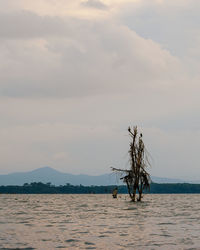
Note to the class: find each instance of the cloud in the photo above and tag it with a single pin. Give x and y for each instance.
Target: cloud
(64, 57)
(94, 4)
(174, 24)
(29, 25)
(61, 8)
(74, 78)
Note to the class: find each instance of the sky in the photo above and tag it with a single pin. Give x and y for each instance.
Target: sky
(74, 74)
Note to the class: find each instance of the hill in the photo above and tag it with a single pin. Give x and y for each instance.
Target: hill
(48, 174)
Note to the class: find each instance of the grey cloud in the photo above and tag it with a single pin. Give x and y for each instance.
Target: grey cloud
(94, 4)
(71, 85)
(28, 25)
(172, 24)
(89, 58)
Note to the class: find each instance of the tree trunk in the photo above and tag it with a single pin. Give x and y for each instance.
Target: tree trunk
(134, 195)
(140, 196)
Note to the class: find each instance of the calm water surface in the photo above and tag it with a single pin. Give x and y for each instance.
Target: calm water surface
(99, 222)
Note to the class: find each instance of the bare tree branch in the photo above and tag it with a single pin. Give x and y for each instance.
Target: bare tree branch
(136, 178)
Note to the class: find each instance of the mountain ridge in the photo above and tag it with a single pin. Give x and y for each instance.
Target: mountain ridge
(48, 174)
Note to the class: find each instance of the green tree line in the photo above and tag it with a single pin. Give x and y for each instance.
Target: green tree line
(48, 188)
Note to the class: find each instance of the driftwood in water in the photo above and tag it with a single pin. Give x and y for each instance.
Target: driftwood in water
(136, 178)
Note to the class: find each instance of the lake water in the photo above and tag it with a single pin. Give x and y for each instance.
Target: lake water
(99, 222)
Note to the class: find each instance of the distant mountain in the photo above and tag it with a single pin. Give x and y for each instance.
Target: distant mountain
(47, 174)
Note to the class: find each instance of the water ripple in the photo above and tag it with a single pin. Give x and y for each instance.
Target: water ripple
(99, 222)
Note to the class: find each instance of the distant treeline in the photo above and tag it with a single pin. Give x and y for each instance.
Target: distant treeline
(48, 188)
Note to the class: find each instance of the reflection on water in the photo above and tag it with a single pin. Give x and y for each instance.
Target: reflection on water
(99, 222)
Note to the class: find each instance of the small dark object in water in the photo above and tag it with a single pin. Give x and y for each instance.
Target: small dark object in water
(114, 193)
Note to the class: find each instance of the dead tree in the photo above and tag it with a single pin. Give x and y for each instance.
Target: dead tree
(136, 178)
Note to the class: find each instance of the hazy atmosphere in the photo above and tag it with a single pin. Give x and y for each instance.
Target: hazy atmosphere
(75, 74)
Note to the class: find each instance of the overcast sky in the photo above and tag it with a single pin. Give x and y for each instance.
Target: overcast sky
(75, 74)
